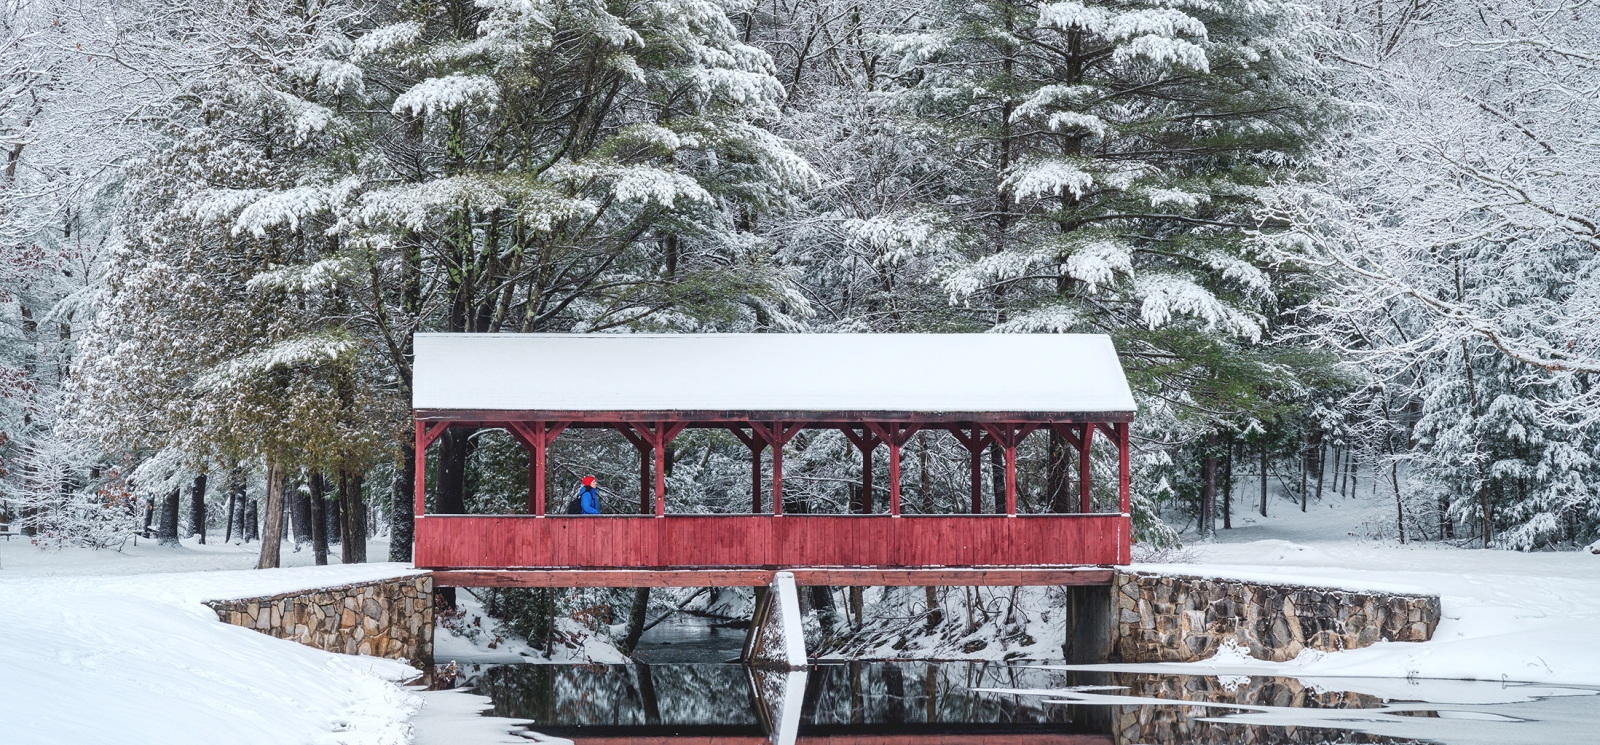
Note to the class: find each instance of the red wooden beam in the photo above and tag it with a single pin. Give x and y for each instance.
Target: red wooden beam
(777, 434)
(1010, 436)
(420, 467)
(896, 435)
(656, 435)
(1085, 499)
(644, 464)
(975, 444)
(756, 443)
(759, 576)
(1124, 467)
(866, 441)
(722, 417)
(536, 439)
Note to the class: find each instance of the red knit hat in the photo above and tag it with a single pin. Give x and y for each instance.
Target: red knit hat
(588, 481)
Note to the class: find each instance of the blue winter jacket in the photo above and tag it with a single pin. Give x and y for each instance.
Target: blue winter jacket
(590, 499)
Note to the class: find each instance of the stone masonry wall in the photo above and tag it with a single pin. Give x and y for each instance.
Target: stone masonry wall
(1162, 618)
(390, 618)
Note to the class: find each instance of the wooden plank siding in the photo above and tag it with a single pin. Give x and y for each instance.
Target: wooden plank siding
(826, 577)
(744, 542)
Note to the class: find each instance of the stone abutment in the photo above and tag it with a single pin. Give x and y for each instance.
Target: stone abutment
(390, 618)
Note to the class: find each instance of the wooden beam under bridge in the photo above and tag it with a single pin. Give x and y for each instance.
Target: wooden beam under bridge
(759, 577)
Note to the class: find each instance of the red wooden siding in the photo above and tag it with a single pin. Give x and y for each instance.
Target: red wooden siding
(712, 541)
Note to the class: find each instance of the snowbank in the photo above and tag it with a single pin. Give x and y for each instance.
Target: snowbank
(140, 659)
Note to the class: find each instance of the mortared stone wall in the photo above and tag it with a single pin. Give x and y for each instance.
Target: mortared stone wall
(390, 618)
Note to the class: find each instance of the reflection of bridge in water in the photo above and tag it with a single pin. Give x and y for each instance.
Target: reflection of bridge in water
(854, 703)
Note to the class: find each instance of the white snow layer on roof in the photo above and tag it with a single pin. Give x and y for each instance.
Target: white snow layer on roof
(770, 372)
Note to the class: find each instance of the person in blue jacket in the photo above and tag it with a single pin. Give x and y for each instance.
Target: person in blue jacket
(588, 500)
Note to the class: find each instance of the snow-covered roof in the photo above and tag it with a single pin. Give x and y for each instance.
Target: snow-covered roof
(734, 374)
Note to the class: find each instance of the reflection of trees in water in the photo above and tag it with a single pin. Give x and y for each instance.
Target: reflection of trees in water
(859, 693)
(619, 695)
(910, 693)
(923, 692)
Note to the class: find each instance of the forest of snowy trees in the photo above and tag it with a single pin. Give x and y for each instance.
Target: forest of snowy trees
(1338, 243)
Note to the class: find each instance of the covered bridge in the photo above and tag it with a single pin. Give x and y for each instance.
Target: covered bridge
(878, 389)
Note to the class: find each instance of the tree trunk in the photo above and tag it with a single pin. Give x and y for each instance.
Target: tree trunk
(454, 448)
(1227, 489)
(197, 507)
(272, 532)
(252, 521)
(636, 618)
(1208, 490)
(1058, 475)
(354, 509)
(855, 607)
(319, 518)
(1353, 473)
(1305, 474)
(926, 478)
(167, 529)
(227, 533)
(1263, 478)
(935, 613)
(1322, 465)
(997, 474)
(401, 519)
(335, 521)
(300, 516)
(1338, 470)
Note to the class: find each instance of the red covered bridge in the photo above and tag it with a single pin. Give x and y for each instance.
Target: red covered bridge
(878, 389)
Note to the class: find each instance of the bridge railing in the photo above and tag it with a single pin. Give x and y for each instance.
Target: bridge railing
(502, 542)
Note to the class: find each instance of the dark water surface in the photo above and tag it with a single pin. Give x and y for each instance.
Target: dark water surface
(682, 689)
(962, 702)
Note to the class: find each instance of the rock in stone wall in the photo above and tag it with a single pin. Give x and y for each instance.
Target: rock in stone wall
(389, 618)
(1162, 618)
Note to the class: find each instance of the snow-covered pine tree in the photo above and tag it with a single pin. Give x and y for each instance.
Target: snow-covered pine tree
(1111, 158)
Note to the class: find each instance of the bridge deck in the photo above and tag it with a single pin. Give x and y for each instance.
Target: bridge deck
(729, 550)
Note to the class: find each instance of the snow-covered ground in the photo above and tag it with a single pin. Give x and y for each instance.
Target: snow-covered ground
(117, 647)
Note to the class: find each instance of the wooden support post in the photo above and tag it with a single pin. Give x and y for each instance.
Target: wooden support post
(777, 434)
(425, 436)
(644, 481)
(756, 443)
(536, 438)
(1009, 436)
(1076, 435)
(975, 444)
(1124, 467)
(655, 436)
(1085, 500)
(895, 435)
(866, 441)
(661, 475)
(866, 482)
(420, 455)
(644, 465)
(1011, 480)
